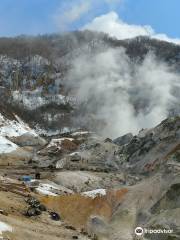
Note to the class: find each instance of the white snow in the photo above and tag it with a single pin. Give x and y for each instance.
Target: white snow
(34, 99)
(52, 189)
(46, 189)
(6, 146)
(95, 193)
(80, 133)
(57, 142)
(13, 128)
(4, 228)
(74, 154)
(50, 133)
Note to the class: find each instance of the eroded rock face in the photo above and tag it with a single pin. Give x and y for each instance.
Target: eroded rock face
(147, 152)
(141, 154)
(116, 214)
(170, 200)
(28, 139)
(81, 210)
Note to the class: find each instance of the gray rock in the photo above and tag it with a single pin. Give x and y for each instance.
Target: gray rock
(28, 139)
(123, 139)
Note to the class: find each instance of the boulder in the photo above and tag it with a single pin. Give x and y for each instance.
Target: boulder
(75, 156)
(123, 139)
(60, 164)
(28, 139)
(33, 212)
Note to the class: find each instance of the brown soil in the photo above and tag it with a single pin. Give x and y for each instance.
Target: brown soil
(68, 145)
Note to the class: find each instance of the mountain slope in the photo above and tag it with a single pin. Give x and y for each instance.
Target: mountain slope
(55, 79)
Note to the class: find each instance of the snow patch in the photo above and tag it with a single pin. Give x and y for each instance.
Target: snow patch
(34, 99)
(80, 133)
(13, 128)
(6, 146)
(50, 133)
(52, 189)
(75, 154)
(95, 193)
(46, 189)
(4, 228)
(57, 142)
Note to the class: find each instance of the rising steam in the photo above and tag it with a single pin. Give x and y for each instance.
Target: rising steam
(125, 96)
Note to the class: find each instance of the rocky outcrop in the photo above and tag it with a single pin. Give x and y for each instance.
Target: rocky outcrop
(123, 139)
(148, 151)
(28, 139)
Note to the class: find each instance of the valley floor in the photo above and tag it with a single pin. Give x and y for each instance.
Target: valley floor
(82, 186)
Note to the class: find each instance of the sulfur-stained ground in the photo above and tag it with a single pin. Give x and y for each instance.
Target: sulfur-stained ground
(36, 228)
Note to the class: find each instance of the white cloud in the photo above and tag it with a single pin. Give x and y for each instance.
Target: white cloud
(69, 14)
(111, 23)
(72, 11)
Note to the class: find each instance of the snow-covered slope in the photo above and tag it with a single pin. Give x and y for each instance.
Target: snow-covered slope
(34, 99)
(6, 146)
(11, 128)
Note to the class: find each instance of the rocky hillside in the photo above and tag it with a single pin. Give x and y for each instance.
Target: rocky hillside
(43, 77)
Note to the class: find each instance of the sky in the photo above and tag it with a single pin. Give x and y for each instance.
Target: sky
(119, 18)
